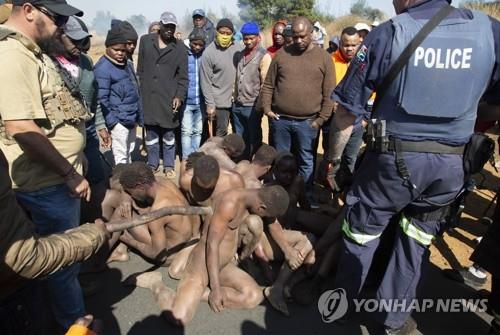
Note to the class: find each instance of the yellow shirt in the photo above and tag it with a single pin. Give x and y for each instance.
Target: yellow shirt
(25, 81)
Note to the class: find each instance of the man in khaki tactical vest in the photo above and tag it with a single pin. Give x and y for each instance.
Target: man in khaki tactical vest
(42, 133)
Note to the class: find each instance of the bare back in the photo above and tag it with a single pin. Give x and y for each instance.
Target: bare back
(214, 148)
(227, 180)
(244, 168)
(177, 229)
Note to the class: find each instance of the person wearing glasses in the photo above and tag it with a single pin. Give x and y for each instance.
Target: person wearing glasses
(42, 133)
(79, 70)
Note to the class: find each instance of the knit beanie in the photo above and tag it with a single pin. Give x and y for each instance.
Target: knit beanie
(129, 31)
(250, 28)
(225, 23)
(115, 36)
(197, 35)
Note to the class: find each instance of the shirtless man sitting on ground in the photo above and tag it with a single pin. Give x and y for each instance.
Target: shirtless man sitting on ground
(261, 163)
(299, 215)
(169, 240)
(210, 264)
(225, 149)
(203, 180)
(116, 205)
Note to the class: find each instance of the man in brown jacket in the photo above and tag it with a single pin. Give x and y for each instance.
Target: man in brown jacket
(25, 256)
(296, 96)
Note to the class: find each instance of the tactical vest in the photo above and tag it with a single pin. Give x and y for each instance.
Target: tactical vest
(435, 97)
(60, 107)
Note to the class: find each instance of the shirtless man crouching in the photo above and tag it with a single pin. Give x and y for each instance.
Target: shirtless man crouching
(210, 264)
(203, 180)
(225, 149)
(262, 162)
(169, 240)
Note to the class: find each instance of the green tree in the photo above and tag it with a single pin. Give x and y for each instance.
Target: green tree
(360, 8)
(265, 12)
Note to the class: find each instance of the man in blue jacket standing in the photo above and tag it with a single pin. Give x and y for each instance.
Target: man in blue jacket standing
(118, 95)
(192, 118)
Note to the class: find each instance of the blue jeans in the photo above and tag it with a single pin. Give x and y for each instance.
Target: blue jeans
(351, 150)
(298, 137)
(191, 129)
(167, 136)
(248, 124)
(96, 172)
(53, 210)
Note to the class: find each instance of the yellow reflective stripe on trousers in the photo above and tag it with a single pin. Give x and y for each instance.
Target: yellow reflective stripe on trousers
(415, 233)
(358, 238)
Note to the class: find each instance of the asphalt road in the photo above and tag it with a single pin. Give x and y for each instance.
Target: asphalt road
(132, 311)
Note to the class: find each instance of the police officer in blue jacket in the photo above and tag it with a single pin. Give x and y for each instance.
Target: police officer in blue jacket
(423, 121)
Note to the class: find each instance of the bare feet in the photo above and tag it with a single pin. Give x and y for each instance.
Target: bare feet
(144, 280)
(275, 297)
(120, 254)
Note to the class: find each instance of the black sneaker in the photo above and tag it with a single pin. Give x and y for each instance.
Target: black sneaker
(465, 277)
(408, 328)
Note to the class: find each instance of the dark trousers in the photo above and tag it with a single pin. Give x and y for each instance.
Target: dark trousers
(248, 124)
(222, 118)
(96, 172)
(158, 138)
(351, 150)
(25, 312)
(494, 299)
(376, 196)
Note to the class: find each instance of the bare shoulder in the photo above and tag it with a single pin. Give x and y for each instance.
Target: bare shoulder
(169, 191)
(112, 198)
(234, 177)
(242, 167)
(185, 180)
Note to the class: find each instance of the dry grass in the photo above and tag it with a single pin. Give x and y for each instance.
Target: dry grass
(335, 27)
(490, 8)
(97, 49)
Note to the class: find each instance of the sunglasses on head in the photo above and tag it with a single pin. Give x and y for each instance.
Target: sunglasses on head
(59, 20)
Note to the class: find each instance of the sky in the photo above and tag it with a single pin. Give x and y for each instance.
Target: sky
(153, 8)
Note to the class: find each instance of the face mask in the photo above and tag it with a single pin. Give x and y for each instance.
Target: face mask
(224, 41)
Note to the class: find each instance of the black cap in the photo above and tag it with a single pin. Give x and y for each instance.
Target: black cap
(59, 7)
(115, 36)
(225, 23)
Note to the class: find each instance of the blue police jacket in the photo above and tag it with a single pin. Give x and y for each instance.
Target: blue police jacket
(435, 96)
(118, 93)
